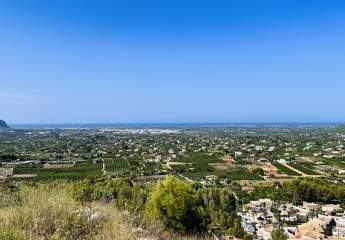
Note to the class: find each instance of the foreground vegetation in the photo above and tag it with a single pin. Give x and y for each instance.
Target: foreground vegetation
(102, 183)
(115, 208)
(51, 212)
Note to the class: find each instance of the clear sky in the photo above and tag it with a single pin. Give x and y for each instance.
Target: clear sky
(172, 61)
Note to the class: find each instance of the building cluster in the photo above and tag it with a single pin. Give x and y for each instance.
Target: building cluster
(307, 221)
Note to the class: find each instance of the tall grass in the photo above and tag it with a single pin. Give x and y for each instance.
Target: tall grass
(50, 212)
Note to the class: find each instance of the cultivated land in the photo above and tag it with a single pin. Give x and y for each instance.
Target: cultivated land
(208, 154)
(218, 168)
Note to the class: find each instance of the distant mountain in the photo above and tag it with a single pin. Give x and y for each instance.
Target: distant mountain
(3, 124)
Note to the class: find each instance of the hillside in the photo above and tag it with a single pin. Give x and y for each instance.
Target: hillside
(105, 208)
(3, 124)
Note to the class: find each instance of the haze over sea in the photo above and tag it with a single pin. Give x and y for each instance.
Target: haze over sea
(165, 125)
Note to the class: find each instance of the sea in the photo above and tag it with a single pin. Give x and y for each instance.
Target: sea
(168, 125)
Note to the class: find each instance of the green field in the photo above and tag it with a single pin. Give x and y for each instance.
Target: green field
(116, 164)
(306, 167)
(152, 167)
(338, 162)
(201, 158)
(242, 174)
(285, 170)
(200, 162)
(78, 171)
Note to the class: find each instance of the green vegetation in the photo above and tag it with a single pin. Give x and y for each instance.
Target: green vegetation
(178, 205)
(151, 168)
(338, 162)
(306, 167)
(120, 191)
(340, 128)
(197, 166)
(285, 170)
(259, 171)
(10, 233)
(50, 212)
(278, 234)
(243, 174)
(78, 171)
(91, 209)
(172, 202)
(307, 189)
(116, 165)
(135, 159)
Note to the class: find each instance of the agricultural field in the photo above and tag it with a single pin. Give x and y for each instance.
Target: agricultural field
(197, 166)
(337, 162)
(200, 165)
(285, 169)
(117, 165)
(242, 174)
(231, 153)
(78, 171)
(306, 167)
(152, 168)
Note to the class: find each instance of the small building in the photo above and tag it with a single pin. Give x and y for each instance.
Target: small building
(211, 177)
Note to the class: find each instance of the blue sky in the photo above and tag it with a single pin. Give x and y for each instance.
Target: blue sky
(172, 61)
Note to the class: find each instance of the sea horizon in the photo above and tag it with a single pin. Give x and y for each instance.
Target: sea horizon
(166, 125)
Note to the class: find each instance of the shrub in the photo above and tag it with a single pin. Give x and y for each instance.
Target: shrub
(50, 211)
(278, 234)
(171, 202)
(184, 207)
(120, 191)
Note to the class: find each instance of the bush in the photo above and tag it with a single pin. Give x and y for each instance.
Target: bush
(184, 207)
(176, 204)
(278, 234)
(171, 202)
(50, 211)
(120, 191)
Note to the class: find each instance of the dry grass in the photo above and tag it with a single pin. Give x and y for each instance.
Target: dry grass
(49, 212)
(46, 212)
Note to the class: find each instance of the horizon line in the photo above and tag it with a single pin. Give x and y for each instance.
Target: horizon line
(183, 122)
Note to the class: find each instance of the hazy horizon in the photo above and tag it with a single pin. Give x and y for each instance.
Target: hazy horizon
(162, 124)
(173, 61)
